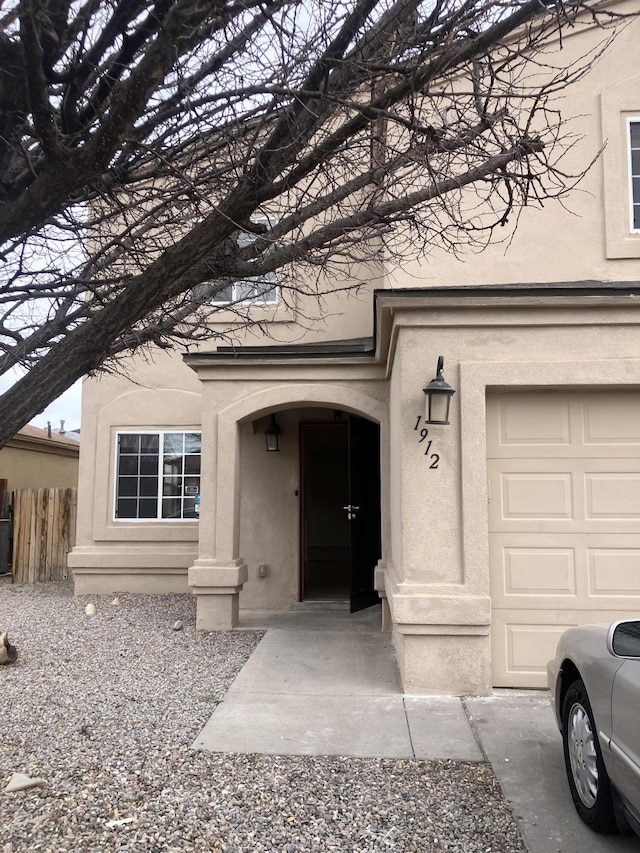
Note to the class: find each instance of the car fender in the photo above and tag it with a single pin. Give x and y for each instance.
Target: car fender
(582, 653)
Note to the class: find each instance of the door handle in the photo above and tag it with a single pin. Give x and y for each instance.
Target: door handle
(351, 511)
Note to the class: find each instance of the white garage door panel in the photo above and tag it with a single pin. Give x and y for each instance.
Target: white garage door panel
(605, 424)
(538, 571)
(535, 495)
(531, 422)
(564, 521)
(522, 646)
(521, 651)
(615, 571)
(613, 495)
(569, 494)
(581, 567)
(599, 425)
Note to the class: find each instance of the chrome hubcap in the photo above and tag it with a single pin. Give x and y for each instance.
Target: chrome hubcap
(582, 755)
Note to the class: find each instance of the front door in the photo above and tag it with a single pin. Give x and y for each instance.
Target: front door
(364, 510)
(340, 525)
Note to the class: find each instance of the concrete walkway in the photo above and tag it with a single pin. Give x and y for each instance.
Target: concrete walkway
(325, 682)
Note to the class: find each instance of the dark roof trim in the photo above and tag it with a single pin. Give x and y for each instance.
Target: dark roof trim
(560, 288)
(332, 349)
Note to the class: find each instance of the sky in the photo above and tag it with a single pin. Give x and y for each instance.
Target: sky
(66, 407)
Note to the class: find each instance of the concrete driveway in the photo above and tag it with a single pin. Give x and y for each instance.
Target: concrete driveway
(518, 735)
(323, 682)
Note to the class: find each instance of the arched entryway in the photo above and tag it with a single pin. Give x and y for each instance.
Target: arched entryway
(340, 539)
(249, 533)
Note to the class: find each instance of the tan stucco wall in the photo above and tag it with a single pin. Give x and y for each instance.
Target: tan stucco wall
(314, 313)
(115, 556)
(270, 510)
(38, 468)
(586, 236)
(437, 584)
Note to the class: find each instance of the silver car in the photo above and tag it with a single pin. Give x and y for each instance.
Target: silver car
(595, 692)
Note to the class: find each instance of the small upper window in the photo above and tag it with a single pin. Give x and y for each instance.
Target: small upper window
(634, 172)
(620, 121)
(259, 290)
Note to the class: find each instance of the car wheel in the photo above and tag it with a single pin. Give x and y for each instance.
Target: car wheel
(588, 779)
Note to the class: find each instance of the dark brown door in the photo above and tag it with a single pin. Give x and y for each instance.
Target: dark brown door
(364, 512)
(325, 529)
(340, 511)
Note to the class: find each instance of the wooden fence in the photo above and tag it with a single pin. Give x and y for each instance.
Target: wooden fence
(5, 500)
(44, 530)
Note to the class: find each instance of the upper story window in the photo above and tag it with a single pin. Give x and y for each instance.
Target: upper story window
(261, 290)
(620, 127)
(634, 172)
(157, 476)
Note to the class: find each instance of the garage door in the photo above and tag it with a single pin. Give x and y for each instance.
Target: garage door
(564, 521)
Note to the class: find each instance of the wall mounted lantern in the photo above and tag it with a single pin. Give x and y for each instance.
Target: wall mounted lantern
(438, 393)
(272, 435)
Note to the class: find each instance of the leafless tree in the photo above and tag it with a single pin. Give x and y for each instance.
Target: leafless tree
(141, 139)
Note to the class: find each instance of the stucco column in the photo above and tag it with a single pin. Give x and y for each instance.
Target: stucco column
(440, 615)
(218, 574)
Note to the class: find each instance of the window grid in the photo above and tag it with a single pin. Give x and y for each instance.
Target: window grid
(634, 173)
(157, 476)
(256, 290)
(262, 291)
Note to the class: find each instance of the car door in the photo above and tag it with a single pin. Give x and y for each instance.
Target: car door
(625, 712)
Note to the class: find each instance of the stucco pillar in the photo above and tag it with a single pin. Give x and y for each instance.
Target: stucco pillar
(218, 575)
(440, 613)
(218, 589)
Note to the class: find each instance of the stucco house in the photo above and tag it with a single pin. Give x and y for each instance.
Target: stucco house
(484, 537)
(38, 458)
(33, 459)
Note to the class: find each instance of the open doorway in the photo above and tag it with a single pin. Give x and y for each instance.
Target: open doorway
(325, 528)
(340, 511)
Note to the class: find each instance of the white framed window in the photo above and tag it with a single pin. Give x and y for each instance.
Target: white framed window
(633, 137)
(261, 290)
(157, 476)
(257, 291)
(620, 124)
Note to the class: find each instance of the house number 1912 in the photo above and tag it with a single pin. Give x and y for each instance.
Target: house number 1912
(424, 437)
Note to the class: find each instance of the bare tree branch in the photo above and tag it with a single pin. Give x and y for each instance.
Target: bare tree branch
(140, 139)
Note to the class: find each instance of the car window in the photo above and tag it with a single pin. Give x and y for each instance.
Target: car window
(626, 639)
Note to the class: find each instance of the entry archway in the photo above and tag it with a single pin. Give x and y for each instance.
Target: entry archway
(355, 406)
(220, 571)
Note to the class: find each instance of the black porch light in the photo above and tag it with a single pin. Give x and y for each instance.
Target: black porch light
(438, 393)
(272, 435)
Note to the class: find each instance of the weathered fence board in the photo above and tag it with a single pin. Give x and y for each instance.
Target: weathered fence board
(5, 499)
(44, 529)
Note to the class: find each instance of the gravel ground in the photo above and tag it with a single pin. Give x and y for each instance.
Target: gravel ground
(105, 708)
